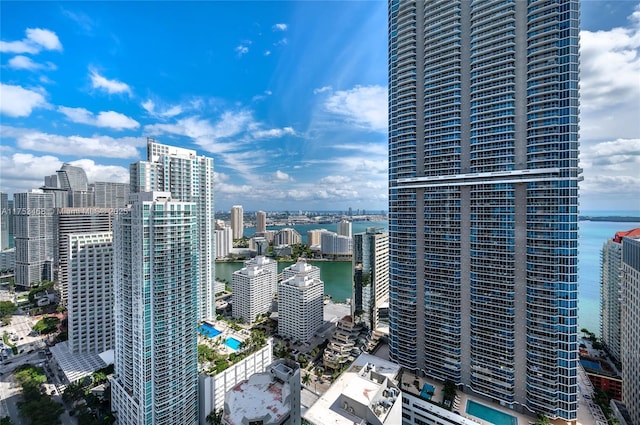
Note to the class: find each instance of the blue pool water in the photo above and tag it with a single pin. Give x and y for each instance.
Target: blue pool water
(489, 414)
(426, 389)
(591, 365)
(232, 343)
(208, 330)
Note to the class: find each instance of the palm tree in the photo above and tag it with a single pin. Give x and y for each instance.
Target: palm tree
(306, 379)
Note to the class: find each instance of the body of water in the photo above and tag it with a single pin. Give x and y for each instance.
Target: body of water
(337, 275)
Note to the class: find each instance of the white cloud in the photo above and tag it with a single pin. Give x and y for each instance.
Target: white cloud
(242, 50)
(162, 111)
(149, 106)
(95, 146)
(110, 86)
(281, 176)
(18, 101)
(24, 62)
(279, 27)
(102, 173)
(109, 119)
(273, 133)
(35, 41)
(609, 82)
(335, 179)
(322, 89)
(22, 171)
(364, 106)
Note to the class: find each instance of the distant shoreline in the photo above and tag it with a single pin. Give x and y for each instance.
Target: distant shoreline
(610, 218)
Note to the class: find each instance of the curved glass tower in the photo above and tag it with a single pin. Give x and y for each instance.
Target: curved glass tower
(483, 197)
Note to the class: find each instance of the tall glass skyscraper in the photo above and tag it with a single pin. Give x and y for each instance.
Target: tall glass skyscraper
(189, 178)
(156, 297)
(483, 197)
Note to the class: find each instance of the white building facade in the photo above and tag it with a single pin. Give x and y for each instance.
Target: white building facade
(90, 292)
(334, 244)
(224, 242)
(252, 289)
(189, 178)
(300, 307)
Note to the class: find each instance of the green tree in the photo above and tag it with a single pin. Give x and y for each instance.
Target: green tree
(6, 421)
(47, 325)
(306, 379)
(215, 417)
(542, 419)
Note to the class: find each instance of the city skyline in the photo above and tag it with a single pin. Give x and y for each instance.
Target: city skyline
(289, 98)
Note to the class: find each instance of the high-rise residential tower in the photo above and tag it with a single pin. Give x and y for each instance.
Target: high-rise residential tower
(90, 292)
(237, 221)
(610, 290)
(344, 228)
(189, 178)
(630, 336)
(34, 237)
(300, 302)
(5, 216)
(483, 197)
(261, 222)
(156, 311)
(370, 301)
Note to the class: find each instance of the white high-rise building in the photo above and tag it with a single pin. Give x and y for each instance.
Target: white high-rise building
(314, 237)
(69, 221)
(34, 237)
(261, 221)
(90, 292)
(334, 244)
(156, 312)
(300, 306)
(344, 228)
(224, 242)
(630, 337)
(266, 263)
(483, 197)
(252, 289)
(301, 267)
(189, 178)
(370, 301)
(610, 290)
(287, 236)
(237, 221)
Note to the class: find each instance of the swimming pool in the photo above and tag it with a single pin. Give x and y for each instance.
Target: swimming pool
(427, 391)
(591, 364)
(232, 343)
(490, 414)
(208, 330)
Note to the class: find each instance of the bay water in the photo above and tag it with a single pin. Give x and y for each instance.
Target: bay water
(337, 275)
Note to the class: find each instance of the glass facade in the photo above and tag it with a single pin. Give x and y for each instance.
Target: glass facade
(156, 312)
(483, 197)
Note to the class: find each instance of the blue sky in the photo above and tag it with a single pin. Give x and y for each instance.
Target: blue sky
(289, 98)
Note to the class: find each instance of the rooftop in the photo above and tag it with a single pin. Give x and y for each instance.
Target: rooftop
(362, 386)
(76, 366)
(264, 396)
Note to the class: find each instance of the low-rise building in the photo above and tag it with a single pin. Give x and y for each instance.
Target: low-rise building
(268, 398)
(365, 393)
